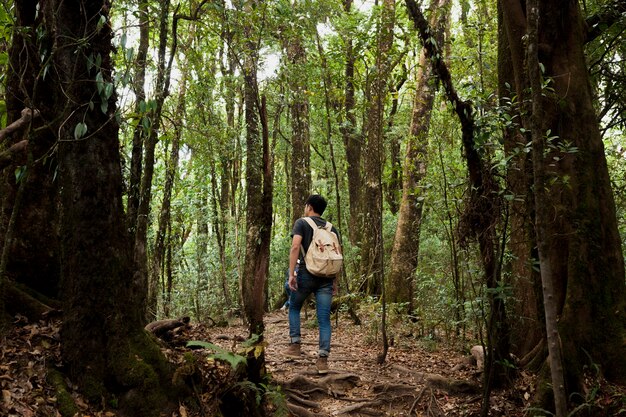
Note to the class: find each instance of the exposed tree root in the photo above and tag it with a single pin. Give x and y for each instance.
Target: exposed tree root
(450, 385)
(362, 407)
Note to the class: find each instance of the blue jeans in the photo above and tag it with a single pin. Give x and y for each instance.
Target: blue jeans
(323, 290)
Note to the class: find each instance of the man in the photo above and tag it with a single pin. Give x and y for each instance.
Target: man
(302, 283)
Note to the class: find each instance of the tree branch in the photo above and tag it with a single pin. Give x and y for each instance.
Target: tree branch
(19, 124)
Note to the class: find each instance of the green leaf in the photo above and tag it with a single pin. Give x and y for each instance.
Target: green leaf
(80, 130)
(19, 173)
(233, 359)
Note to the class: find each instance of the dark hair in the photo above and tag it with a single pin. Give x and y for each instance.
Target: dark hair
(317, 202)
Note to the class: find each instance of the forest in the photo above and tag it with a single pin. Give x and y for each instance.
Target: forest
(155, 155)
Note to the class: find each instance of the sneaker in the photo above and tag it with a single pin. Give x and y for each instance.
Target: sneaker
(293, 351)
(322, 365)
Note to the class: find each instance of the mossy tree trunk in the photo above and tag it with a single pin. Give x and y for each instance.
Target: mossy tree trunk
(582, 241)
(405, 249)
(104, 347)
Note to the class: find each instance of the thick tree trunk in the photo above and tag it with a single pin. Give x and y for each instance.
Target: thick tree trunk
(372, 249)
(32, 248)
(105, 349)
(583, 246)
(405, 250)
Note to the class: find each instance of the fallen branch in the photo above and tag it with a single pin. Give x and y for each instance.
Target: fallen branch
(19, 124)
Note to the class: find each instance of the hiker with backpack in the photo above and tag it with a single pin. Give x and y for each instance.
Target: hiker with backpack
(315, 245)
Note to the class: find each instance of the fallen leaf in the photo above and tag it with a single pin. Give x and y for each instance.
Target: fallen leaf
(6, 396)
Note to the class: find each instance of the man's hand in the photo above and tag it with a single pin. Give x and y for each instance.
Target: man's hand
(293, 283)
(335, 287)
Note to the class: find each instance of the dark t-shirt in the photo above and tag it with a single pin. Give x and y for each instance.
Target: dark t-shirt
(302, 228)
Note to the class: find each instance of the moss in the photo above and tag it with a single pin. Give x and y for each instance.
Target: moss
(142, 376)
(66, 405)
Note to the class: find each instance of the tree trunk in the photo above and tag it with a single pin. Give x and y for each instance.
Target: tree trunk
(527, 324)
(259, 201)
(141, 276)
(105, 349)
(32, 249)
(300, 142)
(543, 212)
(405, 250)
(165, 215)
(582, 242)
(142, 123)
(372, 250)
(480, 220)
(353, 142)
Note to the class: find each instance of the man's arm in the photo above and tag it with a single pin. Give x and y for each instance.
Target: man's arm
(294, 254)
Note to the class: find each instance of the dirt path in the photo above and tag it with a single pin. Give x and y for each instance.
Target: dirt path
(412, 381)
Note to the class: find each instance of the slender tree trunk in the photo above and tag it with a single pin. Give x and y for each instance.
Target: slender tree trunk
(405, 250)
(141, 278)
(259, 202)
(142, 123)
(372, 249)
(527, 324)
(164, 222)
(393, 187)
(353, 142)
(300, 142)
(104, 345)
(543, 212)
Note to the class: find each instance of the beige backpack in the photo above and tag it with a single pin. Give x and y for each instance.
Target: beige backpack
(323, 258)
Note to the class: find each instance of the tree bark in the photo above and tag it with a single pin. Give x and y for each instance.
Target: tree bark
(405, 249)
(105, 349)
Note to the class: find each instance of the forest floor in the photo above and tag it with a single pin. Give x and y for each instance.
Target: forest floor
(418, 378)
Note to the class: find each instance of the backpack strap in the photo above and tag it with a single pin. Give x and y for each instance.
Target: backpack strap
(311, 222)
